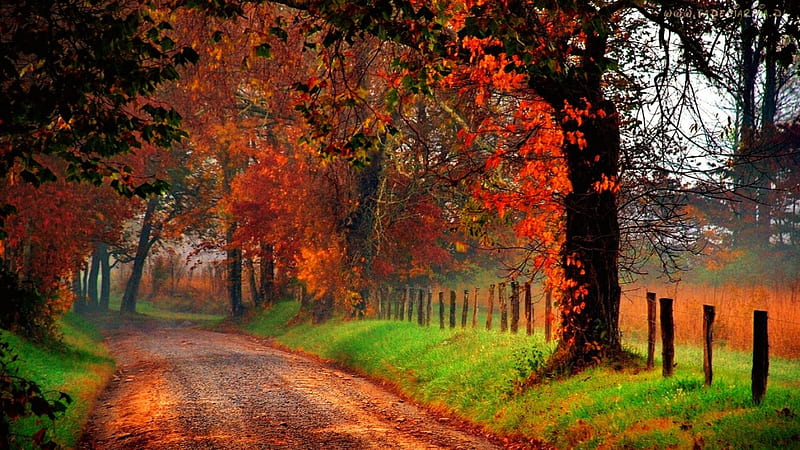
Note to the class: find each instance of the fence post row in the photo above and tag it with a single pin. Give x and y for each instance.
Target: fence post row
(760, 369)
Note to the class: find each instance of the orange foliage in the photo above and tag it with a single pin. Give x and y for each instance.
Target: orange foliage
(51, 234)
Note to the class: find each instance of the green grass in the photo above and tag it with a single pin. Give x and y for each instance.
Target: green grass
(148, 309)
(475, 374)
(81, 368)
(273, 323)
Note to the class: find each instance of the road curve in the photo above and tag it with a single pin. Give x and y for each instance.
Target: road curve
(195, 389)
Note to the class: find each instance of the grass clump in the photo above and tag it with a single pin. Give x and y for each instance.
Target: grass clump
(480, 375)
(80, 366)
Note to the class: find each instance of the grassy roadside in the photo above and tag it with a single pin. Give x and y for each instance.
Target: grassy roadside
(80, 368)
(476, 373)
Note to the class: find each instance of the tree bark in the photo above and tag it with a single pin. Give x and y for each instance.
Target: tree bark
(251, 283)
(234, 279)
(105, 276)
(590, 305)
(93, 279)
(128, 305)
(79, 305)
(267, 278)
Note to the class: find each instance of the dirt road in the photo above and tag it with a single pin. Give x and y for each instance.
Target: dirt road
(187, 388)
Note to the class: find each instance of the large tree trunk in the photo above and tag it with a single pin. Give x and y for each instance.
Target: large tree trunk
(128, 305)
(360, 228)
(590, 302)
(590, 305)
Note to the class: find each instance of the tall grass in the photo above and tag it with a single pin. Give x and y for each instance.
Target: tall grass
(477, 374)
(80, 368)
(733, 326)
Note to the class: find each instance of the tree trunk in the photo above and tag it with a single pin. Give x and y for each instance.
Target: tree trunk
(323, 309)
(234, 282)
(255, 294)
(590, 307)
(93, 279)
(267, 279)
(590, 304)
(360, 228)
(79, 305)
(128, 305)
(105, 275)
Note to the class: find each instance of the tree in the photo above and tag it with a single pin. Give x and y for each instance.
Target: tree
(48, 244)
(73, 79)
(562, 53)
(758, 73)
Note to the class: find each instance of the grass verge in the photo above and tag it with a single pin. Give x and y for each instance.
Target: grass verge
(476, 374)
(80, 367)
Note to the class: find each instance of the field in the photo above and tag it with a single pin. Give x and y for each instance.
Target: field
(479, 375)
(733, 327)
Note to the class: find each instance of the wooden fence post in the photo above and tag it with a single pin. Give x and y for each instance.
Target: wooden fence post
(548, 316)
(410, 303)
(401, 311)
(760, 355)
(421, 308)
(514, 307)
(501, 294)
(490, 308)
(428, 308)
(379, 302)
(386, 303)
(465, 309)
(475, 310)
(651, 329)
(708, 339)
(528, 309)
(441, 310)
(667, 337)
(452, 309)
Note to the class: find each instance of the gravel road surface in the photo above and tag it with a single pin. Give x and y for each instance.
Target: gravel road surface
(195, 389)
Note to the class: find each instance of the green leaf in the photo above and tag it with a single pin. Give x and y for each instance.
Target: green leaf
(392, 98)
(279, 32)
(264, 51)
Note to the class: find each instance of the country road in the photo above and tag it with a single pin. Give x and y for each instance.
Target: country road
(189, 388)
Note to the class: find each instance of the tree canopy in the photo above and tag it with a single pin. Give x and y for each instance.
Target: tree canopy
(343, 144)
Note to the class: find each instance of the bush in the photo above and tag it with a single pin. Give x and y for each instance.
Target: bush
(19, 398)
(24, 310)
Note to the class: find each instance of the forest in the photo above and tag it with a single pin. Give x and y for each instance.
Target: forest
(220, 156)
